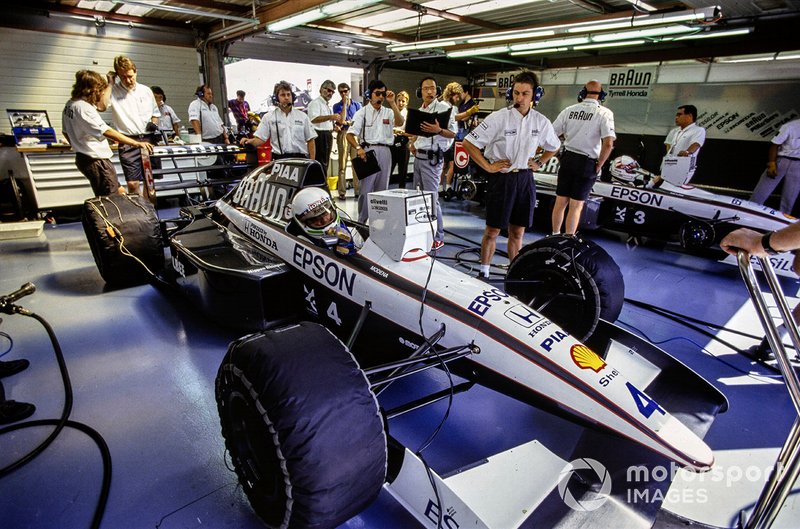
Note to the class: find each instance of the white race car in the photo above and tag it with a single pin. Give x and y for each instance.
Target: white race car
(695, 218)
(308, 438)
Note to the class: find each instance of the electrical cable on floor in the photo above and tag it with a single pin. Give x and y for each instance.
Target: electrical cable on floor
(10, 343)
(61, 422)
(755, 376)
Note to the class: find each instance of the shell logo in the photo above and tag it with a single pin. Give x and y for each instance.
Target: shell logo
(585, 358)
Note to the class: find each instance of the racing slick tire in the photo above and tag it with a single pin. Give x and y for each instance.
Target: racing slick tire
(303, 429)
(467, 189)
(125, 238)
(572, 281)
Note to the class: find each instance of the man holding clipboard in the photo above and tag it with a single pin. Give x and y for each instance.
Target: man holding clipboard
(372, 132)
(429, 144)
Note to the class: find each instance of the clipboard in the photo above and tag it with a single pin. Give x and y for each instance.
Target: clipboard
(415, 118)
(365, 169)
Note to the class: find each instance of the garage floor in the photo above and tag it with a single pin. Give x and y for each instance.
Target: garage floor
(142, 368)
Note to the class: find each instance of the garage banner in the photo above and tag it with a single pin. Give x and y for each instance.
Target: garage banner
(631, 83)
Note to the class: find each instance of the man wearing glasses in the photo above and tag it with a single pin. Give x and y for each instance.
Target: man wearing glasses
(373, 130)
(346, 108)
(322, 119)
(684, 140)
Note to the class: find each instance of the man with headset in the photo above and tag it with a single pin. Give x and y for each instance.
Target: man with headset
(588, 132)
(783, 164)
(205, 118)
(510, 138)
(373, 130)
(429, 150)
(288, 129)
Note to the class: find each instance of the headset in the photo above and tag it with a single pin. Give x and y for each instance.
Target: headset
(201, 90)
(538, 94)
(368, 91)
(438, 88)
(276, 90)
(584, 92)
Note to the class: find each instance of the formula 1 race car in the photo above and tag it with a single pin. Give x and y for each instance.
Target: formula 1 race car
(299, 398)
(690, 216)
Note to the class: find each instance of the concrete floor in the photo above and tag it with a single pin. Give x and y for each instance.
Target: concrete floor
(143, 365)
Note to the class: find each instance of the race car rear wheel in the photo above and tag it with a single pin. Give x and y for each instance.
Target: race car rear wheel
(573, 282)
(467, 189)
(302, 427)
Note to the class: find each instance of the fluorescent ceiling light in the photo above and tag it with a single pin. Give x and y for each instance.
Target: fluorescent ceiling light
(343, 6)
(480, 7)
(646, 20)
(652, 32)
(536, 52)
(785, 55)
(609, 44)
(296, 20)
(420, 46)
(512, 35)
(748, 58)
(549, 43)
(478, 51)
(715, 34)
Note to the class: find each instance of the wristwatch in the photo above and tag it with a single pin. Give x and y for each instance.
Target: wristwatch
(765, 243)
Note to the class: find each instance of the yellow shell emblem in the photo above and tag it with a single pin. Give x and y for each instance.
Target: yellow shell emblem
(585, 358)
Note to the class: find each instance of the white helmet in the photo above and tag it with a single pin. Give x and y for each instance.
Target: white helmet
(313, 209)
(625, 168)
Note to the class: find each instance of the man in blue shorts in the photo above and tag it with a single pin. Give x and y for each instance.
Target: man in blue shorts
(510, 138)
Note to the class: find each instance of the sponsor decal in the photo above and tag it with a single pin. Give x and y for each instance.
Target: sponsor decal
(259, 196)
(290, 173)
(323, 269)
(539, 327)
(433, 512)
(177, 265)
(310, 298)
(408, 343)
(636, 195)
(585, 358)
(383, 273)
(481, 304)
(580, 115)
(512, 132)
(606, 380)
(522, 315)
(630, 83)
(260, 234)
(553, 339)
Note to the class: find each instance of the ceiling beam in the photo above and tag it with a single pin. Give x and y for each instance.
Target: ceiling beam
(265, 15)
(411, 6)
(388, 35)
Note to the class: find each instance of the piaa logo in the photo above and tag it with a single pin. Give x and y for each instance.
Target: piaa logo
(592, 498)
(585, 358)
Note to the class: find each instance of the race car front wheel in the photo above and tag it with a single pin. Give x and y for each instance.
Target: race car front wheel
(573, 282)
(302, 427)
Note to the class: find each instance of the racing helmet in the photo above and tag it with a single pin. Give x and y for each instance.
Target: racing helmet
(314, 211)
(624, 168)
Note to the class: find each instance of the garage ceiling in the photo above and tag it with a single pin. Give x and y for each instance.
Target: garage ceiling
(359, 31)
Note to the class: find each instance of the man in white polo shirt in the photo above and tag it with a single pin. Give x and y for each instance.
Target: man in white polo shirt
(373, 130)
(205, 118)
(322, 119)
(684, 140)
(588, 132)
(429, 151)
(289, 130)
(133, 108)
(783, 163)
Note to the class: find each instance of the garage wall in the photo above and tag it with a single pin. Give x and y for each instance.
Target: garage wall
(39, 70)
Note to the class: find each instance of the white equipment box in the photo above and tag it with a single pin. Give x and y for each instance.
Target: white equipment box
(401, 220)
(677, 169)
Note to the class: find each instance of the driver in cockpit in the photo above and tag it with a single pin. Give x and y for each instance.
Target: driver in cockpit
(315, 213)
